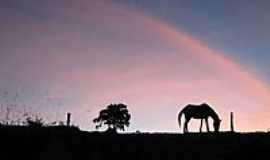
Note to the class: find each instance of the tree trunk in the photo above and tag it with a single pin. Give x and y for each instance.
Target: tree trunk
(111, 130)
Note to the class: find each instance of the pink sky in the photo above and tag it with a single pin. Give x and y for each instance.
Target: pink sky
(152, 66)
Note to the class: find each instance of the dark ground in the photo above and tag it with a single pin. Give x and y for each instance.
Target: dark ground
(64, 143)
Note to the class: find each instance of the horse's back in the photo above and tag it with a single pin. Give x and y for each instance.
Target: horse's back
(197, 111)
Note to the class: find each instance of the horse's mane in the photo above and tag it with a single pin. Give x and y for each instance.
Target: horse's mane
(213, 113)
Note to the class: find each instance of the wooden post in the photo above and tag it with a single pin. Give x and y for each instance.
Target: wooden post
(68, 119)
(232, 122)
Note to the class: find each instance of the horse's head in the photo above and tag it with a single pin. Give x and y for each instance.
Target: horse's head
(217, 125)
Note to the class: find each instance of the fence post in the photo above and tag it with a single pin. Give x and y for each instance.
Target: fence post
(232, 122)
(68, 119)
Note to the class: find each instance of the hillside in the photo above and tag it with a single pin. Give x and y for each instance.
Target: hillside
(70, 143)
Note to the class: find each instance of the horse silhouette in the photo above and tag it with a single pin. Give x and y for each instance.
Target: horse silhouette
(203, 112)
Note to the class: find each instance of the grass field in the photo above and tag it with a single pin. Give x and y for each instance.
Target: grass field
(70, 143)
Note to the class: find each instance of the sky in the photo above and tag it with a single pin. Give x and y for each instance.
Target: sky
(78, 56)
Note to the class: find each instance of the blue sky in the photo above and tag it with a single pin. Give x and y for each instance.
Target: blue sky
(239, 27)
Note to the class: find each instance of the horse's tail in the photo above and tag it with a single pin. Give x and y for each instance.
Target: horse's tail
(179, 118)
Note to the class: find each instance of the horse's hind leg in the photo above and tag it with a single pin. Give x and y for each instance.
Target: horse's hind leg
(201, 125)
(186, 125)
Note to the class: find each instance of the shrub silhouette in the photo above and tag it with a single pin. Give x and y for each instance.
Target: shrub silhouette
(115, 116)
(34, 122)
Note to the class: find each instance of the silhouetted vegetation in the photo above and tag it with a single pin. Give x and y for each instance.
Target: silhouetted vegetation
(69, 143)
(115, 116)
(34, 122)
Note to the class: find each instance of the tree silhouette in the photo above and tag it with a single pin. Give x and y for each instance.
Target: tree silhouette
(115, 116)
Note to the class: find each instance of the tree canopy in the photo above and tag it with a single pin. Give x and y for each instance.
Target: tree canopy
(115, 116)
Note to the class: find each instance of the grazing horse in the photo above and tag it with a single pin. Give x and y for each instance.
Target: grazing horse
(203, 112)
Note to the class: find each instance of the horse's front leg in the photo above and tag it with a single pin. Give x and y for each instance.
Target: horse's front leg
(207, 125)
